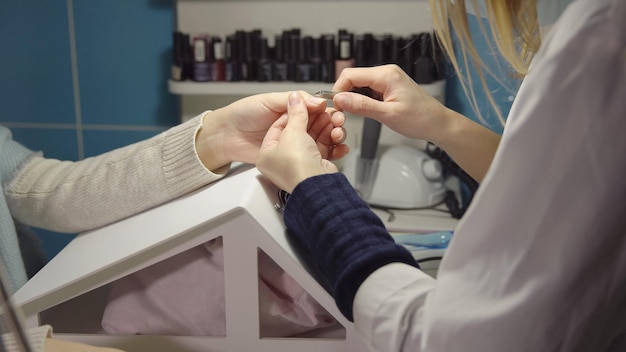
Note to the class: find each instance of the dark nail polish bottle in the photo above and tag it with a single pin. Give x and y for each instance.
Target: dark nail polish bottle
(303, 64)
(187, 58)
(363, 50)
(218, 68)
(407, 55)
(316, 60)
(265, 62)
(241, 54)
(280, 67)
(380, 50)
(292, 55)
(395, 50)
(423, 67)
(252, 46)
(361, 54)
(177, 56)
(328, 58)
(233, 65)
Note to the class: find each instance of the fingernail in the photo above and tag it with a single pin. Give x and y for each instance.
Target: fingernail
(316, 100)
(342, 100)
(341, 116)
(294, 98)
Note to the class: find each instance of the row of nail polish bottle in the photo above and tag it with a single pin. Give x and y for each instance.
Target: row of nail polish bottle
(198, 58)
(248, 56)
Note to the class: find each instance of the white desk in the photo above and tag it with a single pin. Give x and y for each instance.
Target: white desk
(403, 221)
(240, 209)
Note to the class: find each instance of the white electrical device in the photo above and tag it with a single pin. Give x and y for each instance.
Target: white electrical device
(406, 178)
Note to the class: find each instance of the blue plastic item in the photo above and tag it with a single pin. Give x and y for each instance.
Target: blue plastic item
(431, 240)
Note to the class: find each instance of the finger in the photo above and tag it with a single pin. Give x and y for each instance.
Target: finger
(273, 133)
(338, 135)
(277, 101)
(359, 104)
(376, 78)
(318, 123)
(324, 136)
(337, 118)
(343, 83)
(298, 113)
(339, 151)
(281, 122)
(314, 104)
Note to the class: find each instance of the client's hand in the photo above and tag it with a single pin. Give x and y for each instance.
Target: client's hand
(289, 154)
(235, 132)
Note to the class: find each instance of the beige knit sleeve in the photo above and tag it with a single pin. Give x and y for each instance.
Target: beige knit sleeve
(36, 339)
(71, 197)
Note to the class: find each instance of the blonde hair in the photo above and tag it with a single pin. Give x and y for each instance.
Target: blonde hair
(514, 28)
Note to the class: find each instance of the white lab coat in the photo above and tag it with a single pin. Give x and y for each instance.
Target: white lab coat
(538, 263)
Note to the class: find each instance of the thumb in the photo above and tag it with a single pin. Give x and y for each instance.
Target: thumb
(298, 113)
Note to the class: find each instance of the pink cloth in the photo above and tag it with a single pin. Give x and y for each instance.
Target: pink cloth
(184, 295)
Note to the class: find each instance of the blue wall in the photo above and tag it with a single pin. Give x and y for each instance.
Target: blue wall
(113, 94)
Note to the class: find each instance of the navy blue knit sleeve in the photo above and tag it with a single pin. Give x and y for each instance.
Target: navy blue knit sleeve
(343, 239)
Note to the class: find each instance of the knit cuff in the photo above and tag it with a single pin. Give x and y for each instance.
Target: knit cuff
(343, 239)
(181, 165)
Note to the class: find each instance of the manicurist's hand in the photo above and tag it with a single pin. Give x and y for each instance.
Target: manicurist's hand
(235, 132)
(405, 107)
(289, 154)
(409, 110)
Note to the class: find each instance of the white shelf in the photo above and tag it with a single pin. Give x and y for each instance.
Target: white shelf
(242, 88)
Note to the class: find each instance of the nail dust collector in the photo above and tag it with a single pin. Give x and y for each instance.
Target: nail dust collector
(240, 209)
(400, 177)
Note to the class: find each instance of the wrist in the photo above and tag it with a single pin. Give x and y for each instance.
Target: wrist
(450, 129)
(470, 144)
(306, 174)
(210, 140)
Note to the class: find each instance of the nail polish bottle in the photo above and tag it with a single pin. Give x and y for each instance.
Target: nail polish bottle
(252, 49)
(292, 56)
(379, 51)
(265, 62)
(395, 50)
(177, 56)
(280, 67)
(361, 54)
(241, 54)
(423, 67)
(187, 58)
(344, 57)
(327, 74)
(316, 60)
(387, 42)
(218, 68)
(232, 66)
(369, 45)
(201, 68)
(303, 63)
(407, 55)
